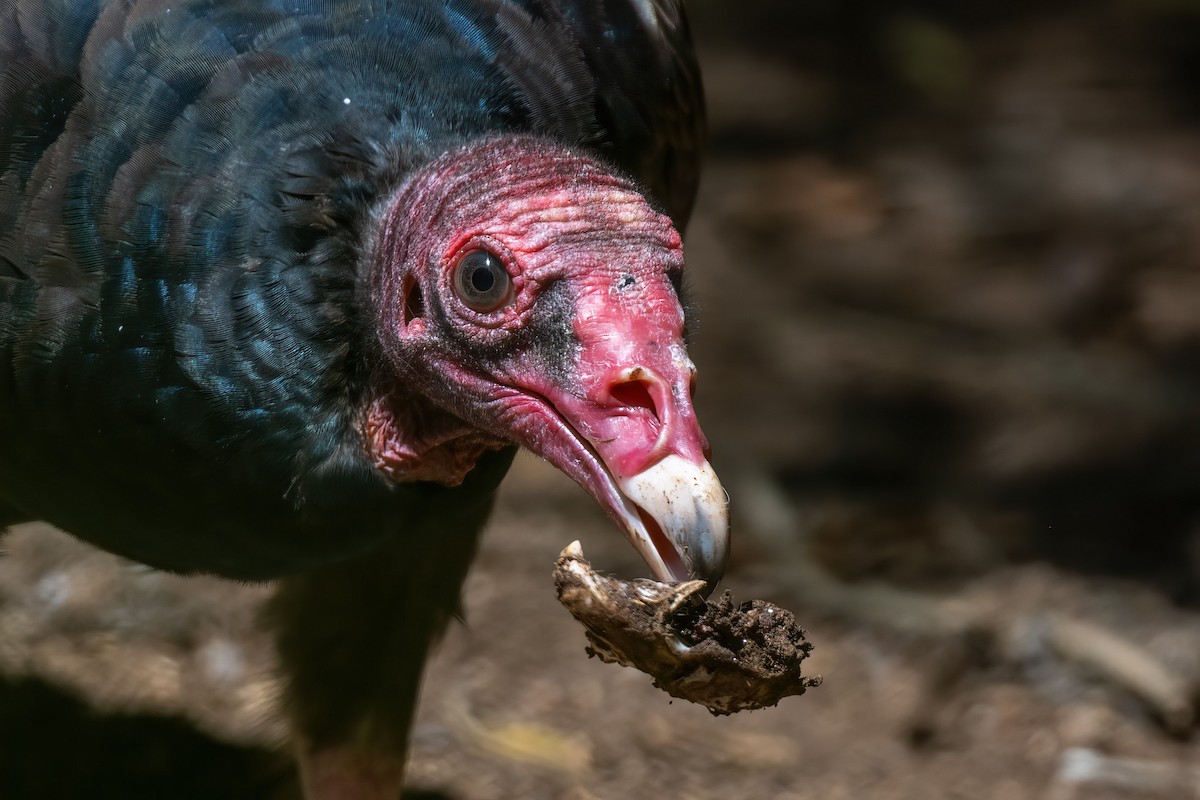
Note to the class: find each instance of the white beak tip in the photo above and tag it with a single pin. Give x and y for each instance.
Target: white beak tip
(690, 508)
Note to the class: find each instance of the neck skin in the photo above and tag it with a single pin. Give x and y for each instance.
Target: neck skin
(410, 439)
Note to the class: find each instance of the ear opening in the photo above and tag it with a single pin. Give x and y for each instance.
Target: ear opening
(414, 301)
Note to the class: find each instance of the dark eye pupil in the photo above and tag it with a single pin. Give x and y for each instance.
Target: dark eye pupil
(482, 279)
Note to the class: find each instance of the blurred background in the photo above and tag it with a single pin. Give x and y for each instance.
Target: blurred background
(948, 265)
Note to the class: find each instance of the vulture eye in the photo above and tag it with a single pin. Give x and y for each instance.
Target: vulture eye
(482, 282)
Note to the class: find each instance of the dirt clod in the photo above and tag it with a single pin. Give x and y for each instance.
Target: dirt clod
(724, 656)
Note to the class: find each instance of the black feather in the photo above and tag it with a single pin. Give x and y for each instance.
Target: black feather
(186, 189)
(183, 189)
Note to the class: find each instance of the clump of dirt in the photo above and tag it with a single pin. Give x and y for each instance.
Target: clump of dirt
(723, 656)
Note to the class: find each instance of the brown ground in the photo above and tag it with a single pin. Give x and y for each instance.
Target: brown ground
(949, 272)
(514, 708)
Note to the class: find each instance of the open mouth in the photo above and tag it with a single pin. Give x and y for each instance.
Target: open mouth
(647, 536)
(683, 512)
(670, 557)
(641, 527)
(673, 512)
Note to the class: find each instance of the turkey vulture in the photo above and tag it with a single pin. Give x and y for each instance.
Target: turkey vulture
(284, 283)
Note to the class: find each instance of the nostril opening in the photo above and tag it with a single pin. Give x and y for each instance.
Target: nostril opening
(635, 394)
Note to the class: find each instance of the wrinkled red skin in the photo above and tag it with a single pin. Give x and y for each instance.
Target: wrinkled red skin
(615, 402)
(414, 441)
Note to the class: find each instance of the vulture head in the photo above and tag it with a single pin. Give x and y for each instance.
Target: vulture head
(528, 295)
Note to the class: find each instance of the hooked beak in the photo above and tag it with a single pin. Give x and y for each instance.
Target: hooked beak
(681, 525)
(636, 447)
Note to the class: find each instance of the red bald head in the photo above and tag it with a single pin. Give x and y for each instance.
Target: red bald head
(530, 293)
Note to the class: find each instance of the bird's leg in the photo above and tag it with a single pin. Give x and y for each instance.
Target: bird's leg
(352, 641)
(353, 638)
(330, 773)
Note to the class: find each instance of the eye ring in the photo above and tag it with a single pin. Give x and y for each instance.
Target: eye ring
(481, 281)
